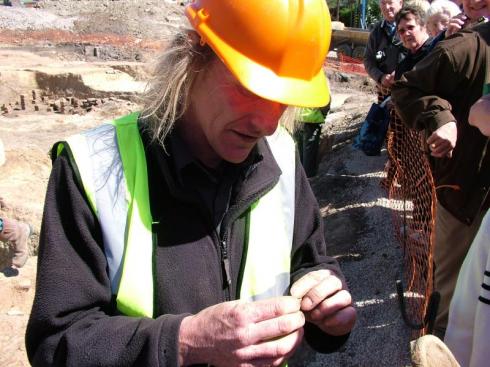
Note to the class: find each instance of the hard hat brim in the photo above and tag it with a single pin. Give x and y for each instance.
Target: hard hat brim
(266, 84)
(263, 81)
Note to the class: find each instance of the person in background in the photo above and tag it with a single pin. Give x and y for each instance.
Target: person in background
(17, 234)
(468, 329)
(459, 3)
(188, 234)
(403, 143)
(412, 31)
(475, 12)
(421, 4)
(437, 96)
(14, 232)
(383, 51)
(307, 136)
(439, 14)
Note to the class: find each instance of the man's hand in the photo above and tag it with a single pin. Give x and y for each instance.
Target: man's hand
(443, 140)
(262, 333)
(387, 80)
(480, 115)
(456, 23)
(325, 302)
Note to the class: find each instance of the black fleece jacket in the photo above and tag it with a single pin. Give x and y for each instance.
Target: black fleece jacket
(74, 321)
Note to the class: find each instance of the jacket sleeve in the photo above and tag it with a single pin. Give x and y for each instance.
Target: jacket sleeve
(419, 95)
(73, 320)
(370, 63)
(310, 254)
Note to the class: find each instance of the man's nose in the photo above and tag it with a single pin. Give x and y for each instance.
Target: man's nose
(264, 125)
(266, 118)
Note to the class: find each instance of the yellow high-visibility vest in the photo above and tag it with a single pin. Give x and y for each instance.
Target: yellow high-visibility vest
(111, 165)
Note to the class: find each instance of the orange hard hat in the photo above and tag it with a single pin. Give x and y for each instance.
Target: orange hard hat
(275, 48)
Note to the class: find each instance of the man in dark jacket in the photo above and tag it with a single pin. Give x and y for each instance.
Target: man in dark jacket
(437, 96)
(182, 235)
(383, 52)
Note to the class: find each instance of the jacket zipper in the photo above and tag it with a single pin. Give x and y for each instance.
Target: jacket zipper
(225, 265)
(223, 244)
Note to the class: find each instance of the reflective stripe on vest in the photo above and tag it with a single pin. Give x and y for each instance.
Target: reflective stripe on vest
(270, 237)
(113, 155)
(119, 197)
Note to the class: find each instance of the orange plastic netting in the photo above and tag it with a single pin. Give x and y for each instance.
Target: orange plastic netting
(346, 64)
(412, 195)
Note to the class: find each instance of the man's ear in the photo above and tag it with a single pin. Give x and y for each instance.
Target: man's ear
(193, 37)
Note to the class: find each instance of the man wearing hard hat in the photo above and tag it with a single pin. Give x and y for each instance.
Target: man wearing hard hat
(188, 234)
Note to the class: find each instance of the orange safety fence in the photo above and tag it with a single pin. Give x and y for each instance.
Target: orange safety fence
(346, 64)
(412, 195)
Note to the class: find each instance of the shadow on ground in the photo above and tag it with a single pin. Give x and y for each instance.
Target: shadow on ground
(358, 231)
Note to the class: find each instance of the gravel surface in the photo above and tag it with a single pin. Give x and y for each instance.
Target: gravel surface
(151, 19)
(371, 262)
(148, 19)
(358, 229)
(32, 19)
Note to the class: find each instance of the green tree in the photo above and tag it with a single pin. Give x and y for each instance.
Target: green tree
(373, 13)
(350, 11)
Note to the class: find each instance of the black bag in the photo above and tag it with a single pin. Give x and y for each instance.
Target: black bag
(373, 129)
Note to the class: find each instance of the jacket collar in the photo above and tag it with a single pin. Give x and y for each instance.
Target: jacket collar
(260, 171)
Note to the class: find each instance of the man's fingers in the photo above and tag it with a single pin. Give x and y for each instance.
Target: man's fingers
(277, 327)
(307, 282)
(264, 362)
(435, 138)
(330, 306)
(316, 295)
(339, 323)
(443, 140)
(441, 148)
(455, 24)
(432, 138)
(271, 308)
(272, 350)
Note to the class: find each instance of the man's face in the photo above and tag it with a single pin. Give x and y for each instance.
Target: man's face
(476, 8)
(412, 34)
(389, 8)
(437, 23)
(224, 120)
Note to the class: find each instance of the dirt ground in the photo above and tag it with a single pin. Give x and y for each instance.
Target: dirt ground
(101, 59)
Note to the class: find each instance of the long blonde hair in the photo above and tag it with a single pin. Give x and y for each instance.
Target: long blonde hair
(167, 95)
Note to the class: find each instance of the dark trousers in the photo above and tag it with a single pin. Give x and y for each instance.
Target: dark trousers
(308, 141)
